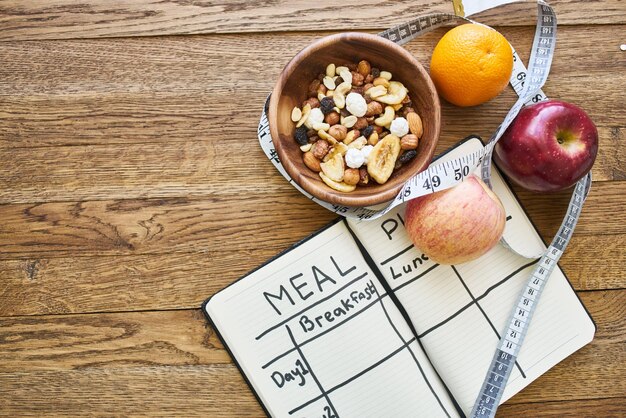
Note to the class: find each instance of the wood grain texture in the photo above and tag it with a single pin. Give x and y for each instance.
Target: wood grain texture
(173, 280)
(154, 124)
(160, 225)
(63, 19)
(73, 358)
(607, 407)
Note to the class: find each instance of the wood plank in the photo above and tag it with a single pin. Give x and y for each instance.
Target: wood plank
(109, 341)
(607, 407)
(177, 224)
(175, 88)
(91, 358)
(215, 391)
(153, 126)
(175, 280)
(63, 19)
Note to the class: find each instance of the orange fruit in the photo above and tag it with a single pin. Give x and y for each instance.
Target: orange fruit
(471, 64)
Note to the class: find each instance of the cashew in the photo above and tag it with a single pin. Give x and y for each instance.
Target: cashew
(339, 97)
(387, 117)
(379, 81)
(376, 91)
(395, 95)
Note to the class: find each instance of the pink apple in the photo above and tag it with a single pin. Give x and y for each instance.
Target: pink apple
(548, 147)
(458, 224)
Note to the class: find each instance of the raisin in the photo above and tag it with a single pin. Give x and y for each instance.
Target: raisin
(368, 131)
(326, 105)
(407, 156)
(300, 135)
(375, 72)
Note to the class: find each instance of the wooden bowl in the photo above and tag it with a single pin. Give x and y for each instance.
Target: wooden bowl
(351, 47)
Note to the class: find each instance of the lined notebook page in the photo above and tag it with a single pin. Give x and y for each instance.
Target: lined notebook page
(459, 311)
(317, 336)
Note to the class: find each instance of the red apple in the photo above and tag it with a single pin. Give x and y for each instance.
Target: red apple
(548, 147)
(458, 224)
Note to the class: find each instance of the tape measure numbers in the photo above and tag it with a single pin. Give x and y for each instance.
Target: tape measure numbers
(527, 83)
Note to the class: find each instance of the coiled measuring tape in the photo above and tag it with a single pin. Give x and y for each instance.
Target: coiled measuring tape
(527, 83)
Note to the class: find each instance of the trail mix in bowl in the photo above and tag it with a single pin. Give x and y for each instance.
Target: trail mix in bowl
(356, 126)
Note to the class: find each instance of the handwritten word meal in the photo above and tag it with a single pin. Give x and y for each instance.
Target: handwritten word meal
(357, 125)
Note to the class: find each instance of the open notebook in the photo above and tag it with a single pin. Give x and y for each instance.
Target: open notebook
(354, 321)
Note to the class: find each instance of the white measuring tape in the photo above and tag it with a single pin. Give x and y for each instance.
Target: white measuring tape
(527, 83)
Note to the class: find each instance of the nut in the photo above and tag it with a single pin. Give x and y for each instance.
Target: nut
(339, 97)
(330, 70)
(379, 81)
(376, 91)
(409, 141)
(320, 149)
(374, 108)
(351, 136)
(296, 114)
(322, 89)
(361, 123)
(325, 135)
(332, 118)
(407, 110)
(364, 68)
(386, 75)
(373, 139)
(359, 90)
(364, 178)
(339, 186)
(368, 79)
(357, 79)
(306, 148)
(367, 86)
(358, 143)
(395, 94)
(349, 121)
(329, 83)
(311, 162)
(339, 132)
(306, 109)
(321, 126)
(313, 87)
(346, 75)
(415, 124)
(311, 101)
(351, 176)
(387, 117)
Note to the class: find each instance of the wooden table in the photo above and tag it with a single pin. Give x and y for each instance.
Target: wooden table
(132, 188)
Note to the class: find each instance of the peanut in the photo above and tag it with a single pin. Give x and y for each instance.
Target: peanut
(296, 114)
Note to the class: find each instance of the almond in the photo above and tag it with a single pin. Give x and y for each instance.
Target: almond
(415, 124)
(311, 162)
